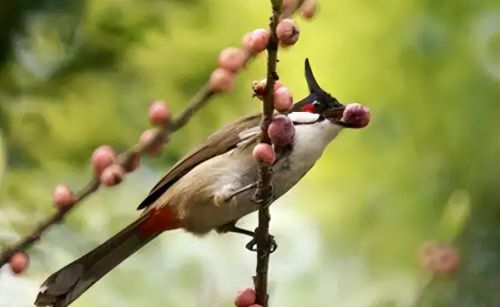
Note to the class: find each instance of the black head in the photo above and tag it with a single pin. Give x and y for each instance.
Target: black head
(318, 100)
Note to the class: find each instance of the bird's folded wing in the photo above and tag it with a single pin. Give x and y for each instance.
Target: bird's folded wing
(218, 143)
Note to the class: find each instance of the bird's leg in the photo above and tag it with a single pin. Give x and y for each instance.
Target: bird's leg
(251, 246)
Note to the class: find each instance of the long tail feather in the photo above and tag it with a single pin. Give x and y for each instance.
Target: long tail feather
(67, 284)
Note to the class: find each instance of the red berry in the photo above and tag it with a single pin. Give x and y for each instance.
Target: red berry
(232, 59)
(19, 262)
(288, 32)
(281, 130)
(283, 99)
(149, 136)
(63, 196)
(221, 80)
(256, 41)
(245, 298)
(264, 153)
(102, 157)
(112, 175)
(159, 113)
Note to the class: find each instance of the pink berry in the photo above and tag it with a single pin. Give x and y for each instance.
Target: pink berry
(133, 163)
(245, 41)
(281, 130)
(221, 80)
(256, 41)
(245, 298)
(283, 99)
(19, 262)
(232, 59)
(112, 175)
(148, 137)
(288, 32)
(63, 196)
(356, 115)
(264, 153)
(102, 157)
(308, 9)
(159, 113)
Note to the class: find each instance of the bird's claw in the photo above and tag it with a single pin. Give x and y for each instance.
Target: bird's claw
(272, 245)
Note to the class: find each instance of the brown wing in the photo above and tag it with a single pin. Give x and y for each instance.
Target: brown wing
(218, 143)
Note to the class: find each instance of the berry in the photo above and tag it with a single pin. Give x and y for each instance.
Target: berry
(283, 100)
(159, 113)
(264, 153)
(112, 175)
(19, 262)
(221, 80)
(245, 298)
(308, 9)
(288, 32)
(102, 157)
(256, 41)
(281, 131)
(356, 115)
(232, 59)
(63, 196)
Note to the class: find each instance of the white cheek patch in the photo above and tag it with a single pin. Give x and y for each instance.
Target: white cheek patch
(303, 117)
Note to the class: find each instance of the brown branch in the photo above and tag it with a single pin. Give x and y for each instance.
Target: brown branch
(159, 134)
(264, 193)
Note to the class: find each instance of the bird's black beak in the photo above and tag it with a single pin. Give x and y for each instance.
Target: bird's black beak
(335, 115)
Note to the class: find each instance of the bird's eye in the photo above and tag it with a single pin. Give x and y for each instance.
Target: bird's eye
(318, 107)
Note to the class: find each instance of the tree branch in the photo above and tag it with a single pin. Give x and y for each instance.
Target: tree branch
(264, 193)
(159, 134)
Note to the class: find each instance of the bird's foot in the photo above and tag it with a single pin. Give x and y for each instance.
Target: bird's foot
(271, 245)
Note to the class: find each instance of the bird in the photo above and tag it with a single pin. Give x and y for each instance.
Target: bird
(212, 186)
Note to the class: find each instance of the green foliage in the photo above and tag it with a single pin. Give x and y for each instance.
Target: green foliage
(82, 73)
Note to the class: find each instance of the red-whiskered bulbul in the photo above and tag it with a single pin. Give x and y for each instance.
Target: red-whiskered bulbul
(211, 187)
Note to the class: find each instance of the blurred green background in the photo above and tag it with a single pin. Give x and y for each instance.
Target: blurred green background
(77, 74)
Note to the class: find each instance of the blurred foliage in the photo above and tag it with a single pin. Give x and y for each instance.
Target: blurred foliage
(77, 74)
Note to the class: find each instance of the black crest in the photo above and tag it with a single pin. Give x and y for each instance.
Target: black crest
(321, 99)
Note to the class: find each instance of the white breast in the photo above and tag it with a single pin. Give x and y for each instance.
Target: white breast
(309, 143)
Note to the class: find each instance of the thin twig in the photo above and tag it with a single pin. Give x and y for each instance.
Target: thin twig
(126, 158)
(264, 191)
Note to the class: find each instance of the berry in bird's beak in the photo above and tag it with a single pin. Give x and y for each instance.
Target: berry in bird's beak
(355, 116)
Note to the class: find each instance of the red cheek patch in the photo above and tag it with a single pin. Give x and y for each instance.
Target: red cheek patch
(308, 108)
